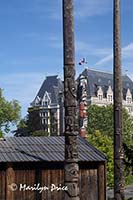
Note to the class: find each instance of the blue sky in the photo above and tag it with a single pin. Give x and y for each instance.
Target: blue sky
(31, 42)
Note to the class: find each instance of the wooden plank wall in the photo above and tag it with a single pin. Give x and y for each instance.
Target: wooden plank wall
(2, 184)
(24, 177)
(88, 184)
(91, 184)
(50, 177)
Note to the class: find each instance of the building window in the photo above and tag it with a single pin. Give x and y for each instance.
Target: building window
(45, 103)
(43, 121)
(110, 98)
(100, 93)
(41, 114)
(45, 114)
(100, 97)
(129, 100)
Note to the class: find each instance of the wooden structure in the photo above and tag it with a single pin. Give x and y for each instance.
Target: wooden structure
(31, 164)
(118, 115)
(71, 167)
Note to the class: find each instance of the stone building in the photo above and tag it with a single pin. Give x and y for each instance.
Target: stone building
(46, 111)
(100, 89)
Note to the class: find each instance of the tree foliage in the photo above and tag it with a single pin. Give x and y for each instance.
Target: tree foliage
(24, 128)
(39, 133)
(101, 118)
(100, 127)
(9, 114)
(104, 144)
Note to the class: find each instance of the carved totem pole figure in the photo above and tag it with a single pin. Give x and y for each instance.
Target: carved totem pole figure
(71, 123)
(118, 118)
(82, 99)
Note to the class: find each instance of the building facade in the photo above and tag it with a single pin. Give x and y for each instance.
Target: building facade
(100, 89)
(46, 110)
(94, 87)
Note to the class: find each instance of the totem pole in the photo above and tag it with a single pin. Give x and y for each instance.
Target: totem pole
(82, 99)
(71, 168)
(118, 118)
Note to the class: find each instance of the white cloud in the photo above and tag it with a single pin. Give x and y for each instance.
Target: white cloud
(82, 46)
(82, 9)
(127, 53)
(50, 40)
(21, 86)
(25, 62)
(92, 8)
(104, 60)
(51, 9)
(85, 48)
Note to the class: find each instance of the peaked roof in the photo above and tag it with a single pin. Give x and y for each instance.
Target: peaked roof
(53, 85)
(29, 149)
(104, 79)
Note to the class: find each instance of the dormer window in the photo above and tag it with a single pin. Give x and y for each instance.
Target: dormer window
(110, 98)
(100, 97)
(46, 99)
(109, 94)
(100, 93)
(129, 100)
(128, 96)
(45, 103)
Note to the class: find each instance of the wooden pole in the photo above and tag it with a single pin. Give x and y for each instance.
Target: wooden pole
(71, 168)
(118, 118)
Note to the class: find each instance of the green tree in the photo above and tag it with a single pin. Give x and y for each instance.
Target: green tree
(39, 133)
(24, 128)
(104, 144)
(9, 114)
(101, 119)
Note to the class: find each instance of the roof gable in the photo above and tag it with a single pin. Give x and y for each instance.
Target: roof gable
(53, 85)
